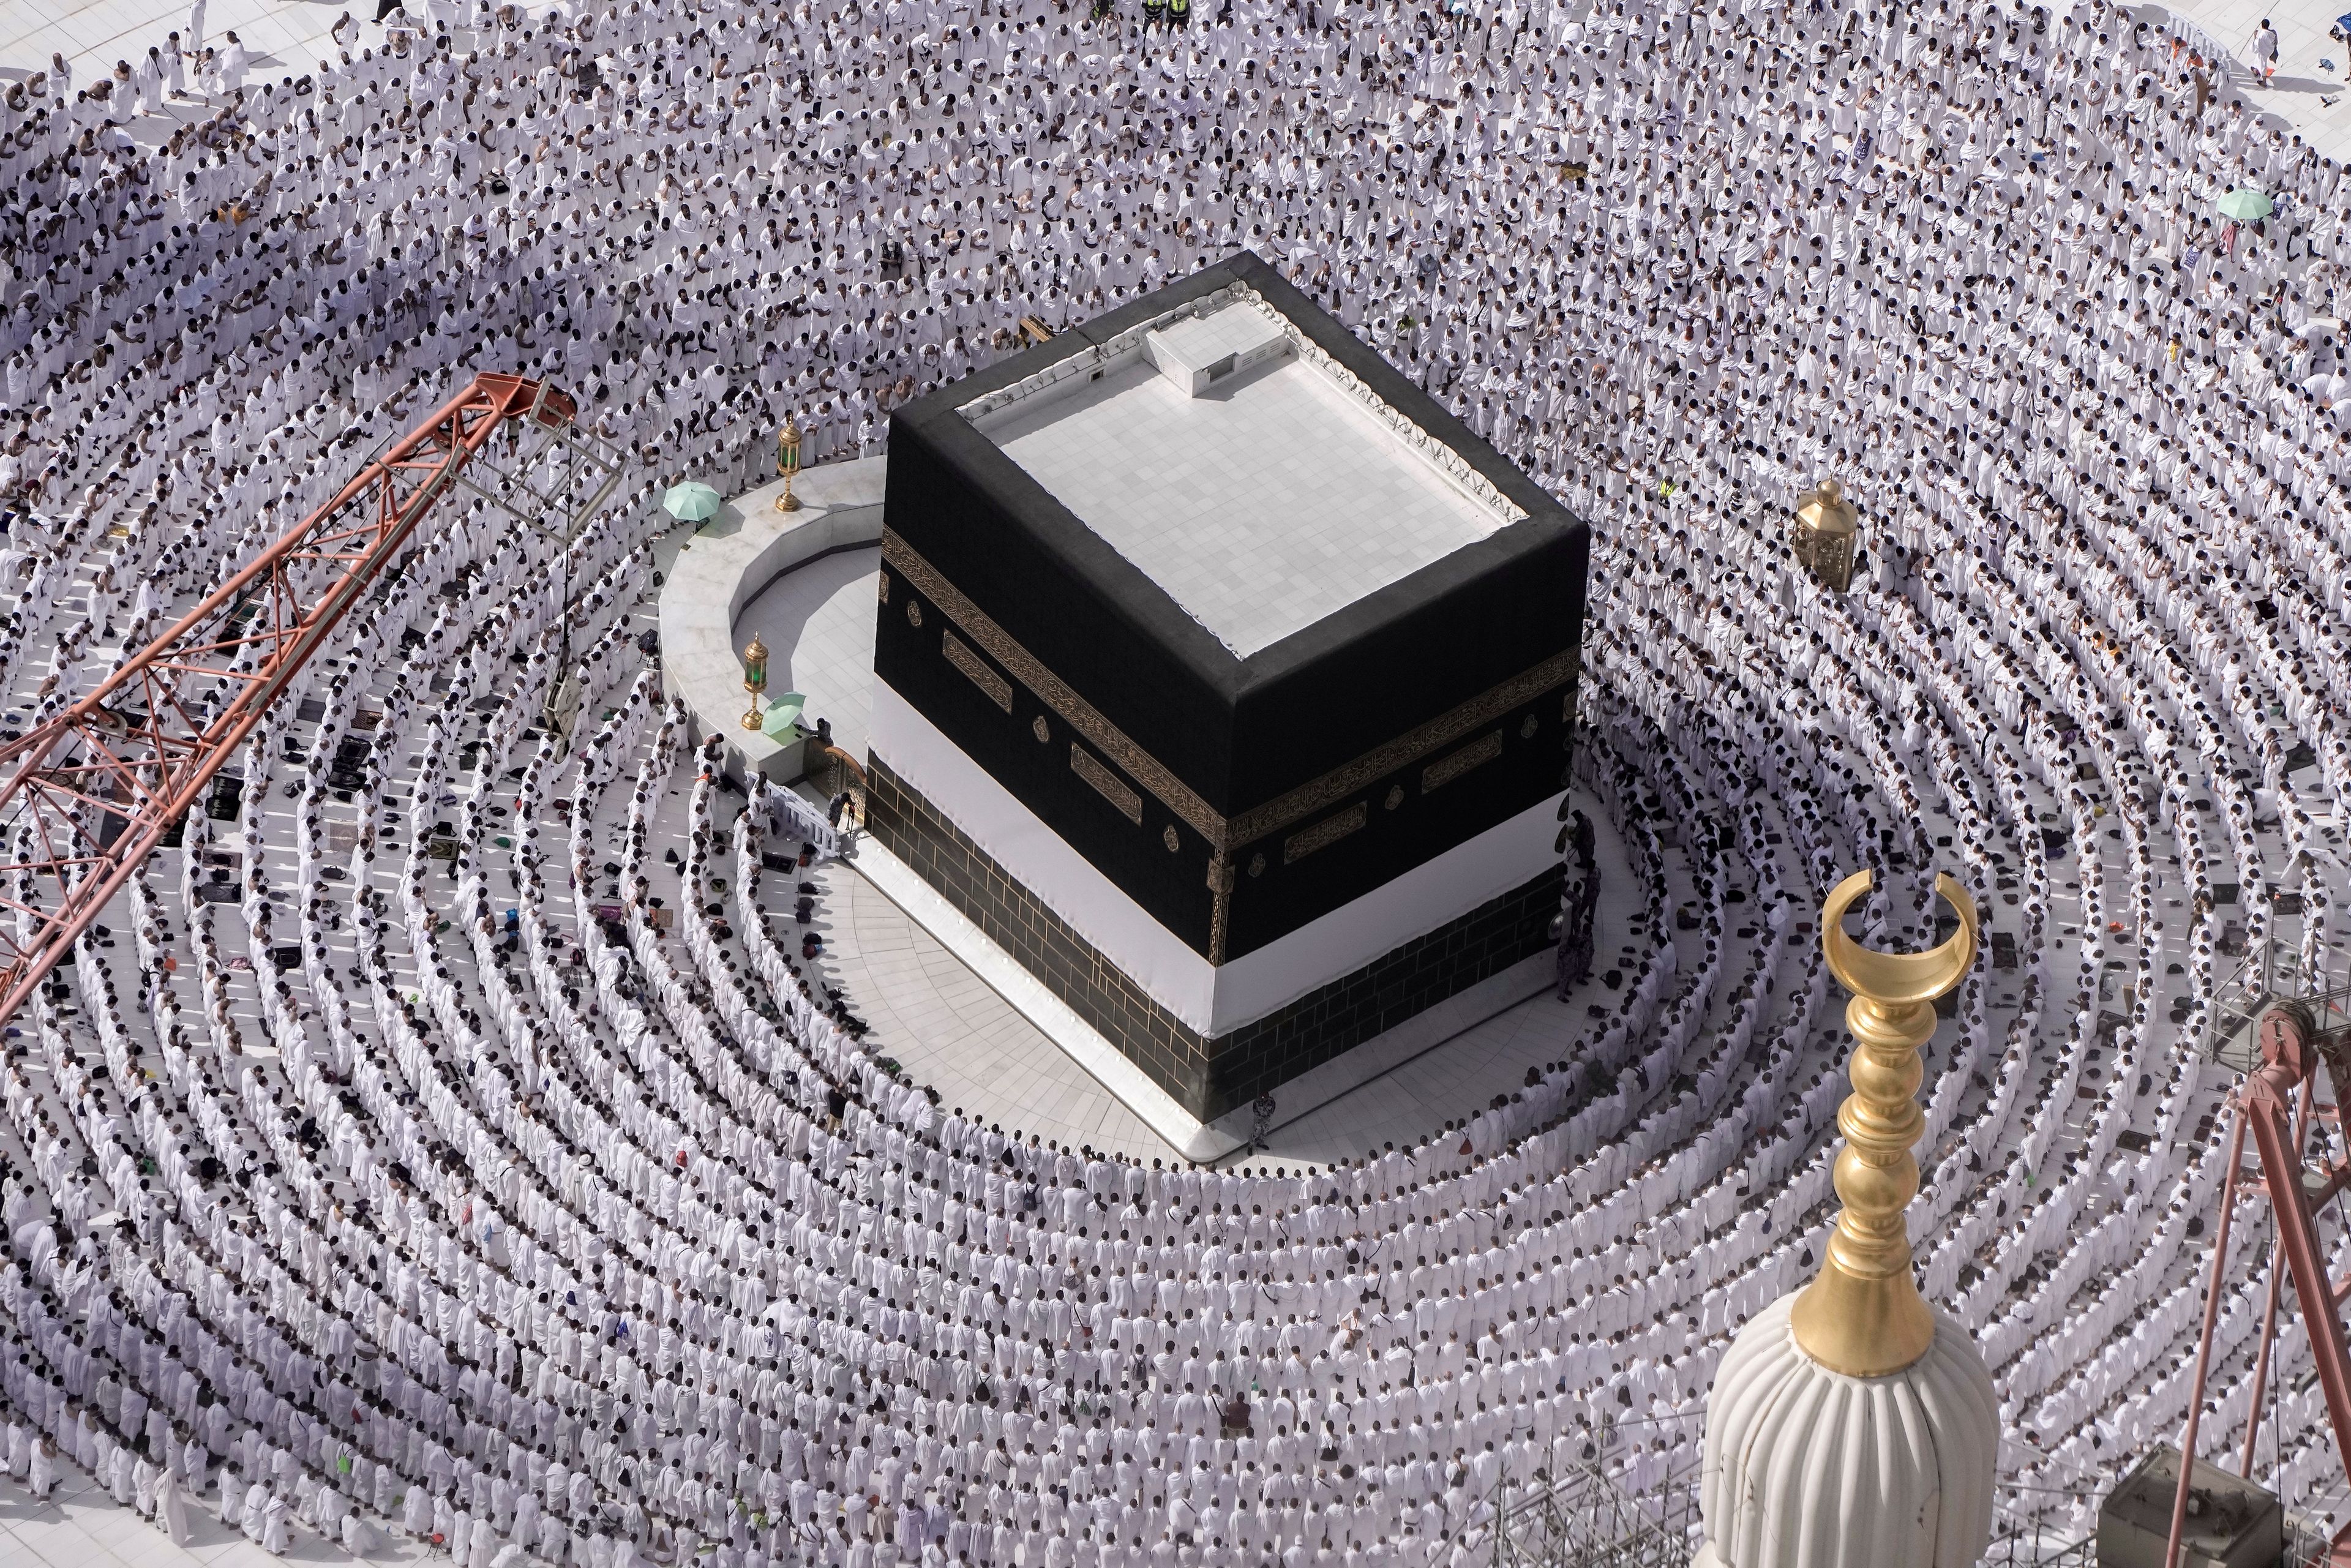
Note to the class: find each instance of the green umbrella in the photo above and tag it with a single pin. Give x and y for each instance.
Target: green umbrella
(2246, 206)
(781, 719)
(690, 502)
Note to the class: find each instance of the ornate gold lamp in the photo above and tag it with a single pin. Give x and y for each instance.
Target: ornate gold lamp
(1852, 1424)
(1826, 528)
(755, 678)
(1864, 1315)
(787, 463)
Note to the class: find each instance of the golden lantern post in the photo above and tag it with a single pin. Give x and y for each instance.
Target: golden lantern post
(1864, 1315)
(755, 678)
(1826, 535)
(787, 463)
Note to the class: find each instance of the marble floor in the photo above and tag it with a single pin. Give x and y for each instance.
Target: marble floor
(945, 1026)
(818, 624)
(2306, 93)
(283, 37)
(82, 1527)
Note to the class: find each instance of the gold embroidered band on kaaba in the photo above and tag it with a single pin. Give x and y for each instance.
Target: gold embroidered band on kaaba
(1445, 770)
(1113, 788)
(1324, 833)
(1224, 835)
(998, 689)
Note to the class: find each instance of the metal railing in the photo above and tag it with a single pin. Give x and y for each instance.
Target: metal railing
(2310, 1524)
(2238, 999)
(2234, 1038)
(1585, 1520)
(2307, 1549)
(2031, 1551)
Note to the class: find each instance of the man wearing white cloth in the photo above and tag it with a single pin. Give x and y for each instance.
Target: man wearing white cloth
(172, 1507)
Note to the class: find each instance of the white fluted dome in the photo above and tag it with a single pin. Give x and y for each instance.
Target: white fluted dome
(1806, 1467)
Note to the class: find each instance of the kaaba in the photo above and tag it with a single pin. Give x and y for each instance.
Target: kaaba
(1227, 683)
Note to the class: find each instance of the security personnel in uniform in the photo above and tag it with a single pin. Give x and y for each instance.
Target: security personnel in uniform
(1155, 12)
(1179, 13)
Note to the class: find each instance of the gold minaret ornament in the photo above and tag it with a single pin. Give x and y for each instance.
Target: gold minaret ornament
(1852, 1424)
(1864, 1315)
(755, 678)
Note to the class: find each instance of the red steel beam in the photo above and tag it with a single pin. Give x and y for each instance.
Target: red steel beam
(2265, 1107)
(143, 744)
(2288, 1060)
(2270, 1310)
(2204, 1339)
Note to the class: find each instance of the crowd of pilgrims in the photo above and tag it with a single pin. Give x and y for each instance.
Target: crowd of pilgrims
(499, 1181)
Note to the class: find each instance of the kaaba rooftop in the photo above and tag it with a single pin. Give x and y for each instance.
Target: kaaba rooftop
(1226, 680)
(1251, 478)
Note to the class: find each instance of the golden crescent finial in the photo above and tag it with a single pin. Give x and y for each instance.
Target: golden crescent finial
(1894, 977)
(1864, 1315)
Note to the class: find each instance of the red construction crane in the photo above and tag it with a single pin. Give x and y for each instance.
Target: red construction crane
(92, 790)
(2274, 1103)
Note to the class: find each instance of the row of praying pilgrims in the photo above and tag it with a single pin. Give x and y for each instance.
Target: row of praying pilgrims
(2108, 665)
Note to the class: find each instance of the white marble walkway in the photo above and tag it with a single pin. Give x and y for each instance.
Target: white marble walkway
(82, 1527)
(283, 38)
(2307, 90)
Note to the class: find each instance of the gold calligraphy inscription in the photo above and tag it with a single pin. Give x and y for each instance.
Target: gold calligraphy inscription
(1324, 833)
(1054, 693)
(1090, 768)
(998, 689)
(1404, 749)
(1445, 770)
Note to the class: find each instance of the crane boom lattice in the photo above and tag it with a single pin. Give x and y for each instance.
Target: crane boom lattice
(93, 789)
